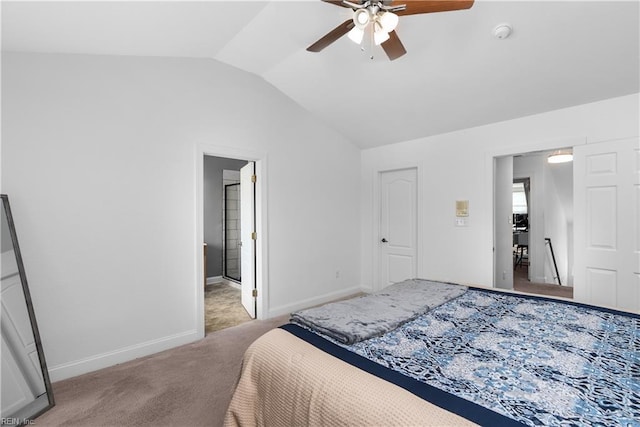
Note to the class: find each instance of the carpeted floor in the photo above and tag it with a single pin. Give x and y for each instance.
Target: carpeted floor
(521, 283)
(186, 386)
(223, 307)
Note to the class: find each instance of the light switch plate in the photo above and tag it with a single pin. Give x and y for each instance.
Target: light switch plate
(461, 222)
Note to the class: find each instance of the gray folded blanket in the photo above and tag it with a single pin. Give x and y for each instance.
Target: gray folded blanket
(361, 318)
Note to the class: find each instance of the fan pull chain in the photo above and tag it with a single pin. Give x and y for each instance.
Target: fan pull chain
(371, 42)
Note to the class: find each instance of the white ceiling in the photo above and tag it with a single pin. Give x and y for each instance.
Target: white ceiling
(455, 75)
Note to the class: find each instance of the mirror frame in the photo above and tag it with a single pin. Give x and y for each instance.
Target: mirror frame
(26, 419)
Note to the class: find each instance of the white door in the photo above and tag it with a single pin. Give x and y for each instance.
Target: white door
(22, 380)
(247, 234)
(16, 392)
(398, 237)
(503, 223)
(607, 224)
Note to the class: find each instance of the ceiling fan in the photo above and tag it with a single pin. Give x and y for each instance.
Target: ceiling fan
(379, 18)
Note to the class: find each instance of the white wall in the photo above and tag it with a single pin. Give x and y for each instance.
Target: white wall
(558, 220)
(503, 225)
(99, 160)
(458, 166)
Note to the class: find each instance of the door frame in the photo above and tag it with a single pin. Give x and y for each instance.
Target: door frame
(261, 219)
(502, 259)
(513, 150)
(375, 272)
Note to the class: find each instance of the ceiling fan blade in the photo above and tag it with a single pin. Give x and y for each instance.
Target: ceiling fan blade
(332, 36)
(393, 47)
(415, 7)
(338, 2)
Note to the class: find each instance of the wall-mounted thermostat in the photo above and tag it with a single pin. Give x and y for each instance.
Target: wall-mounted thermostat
(462, 208)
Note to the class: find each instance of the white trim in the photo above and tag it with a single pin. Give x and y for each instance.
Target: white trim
(310, 302)
(231, 283)
(545, 145)
(262, 263)
(111, 358)
(213, 280)
(220, 280)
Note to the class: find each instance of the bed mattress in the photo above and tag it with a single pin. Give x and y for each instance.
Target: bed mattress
(484, 357)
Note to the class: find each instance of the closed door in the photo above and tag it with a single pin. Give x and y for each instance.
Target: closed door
(607, 218)
(398, 226)
(247, 238)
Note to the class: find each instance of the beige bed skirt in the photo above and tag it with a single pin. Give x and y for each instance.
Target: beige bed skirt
(287, 382)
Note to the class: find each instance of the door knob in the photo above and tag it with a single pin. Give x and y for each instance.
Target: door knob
(384, 240)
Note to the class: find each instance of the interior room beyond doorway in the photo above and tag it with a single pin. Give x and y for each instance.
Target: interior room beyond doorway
(221, 217)
(541, 237)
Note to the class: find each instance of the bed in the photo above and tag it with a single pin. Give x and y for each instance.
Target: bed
(453, 357)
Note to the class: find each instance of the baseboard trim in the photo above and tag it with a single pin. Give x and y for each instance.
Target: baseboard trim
(221, 280)
(104, 360)
(214, 279)
(286, 309)
(232, 283)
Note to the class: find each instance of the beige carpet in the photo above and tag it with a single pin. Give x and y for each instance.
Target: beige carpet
(223, 308)
(186, 386)
(522, 284)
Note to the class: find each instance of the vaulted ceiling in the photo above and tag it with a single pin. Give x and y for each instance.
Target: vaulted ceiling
(455, 75)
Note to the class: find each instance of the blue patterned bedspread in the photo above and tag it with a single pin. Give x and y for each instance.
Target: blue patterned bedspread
(533, 360)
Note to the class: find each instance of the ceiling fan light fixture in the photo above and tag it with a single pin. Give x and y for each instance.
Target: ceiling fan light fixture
(380, 35)
(560, 156)
(368, 15)
(356, 35)
(388, 21)
(361, 18)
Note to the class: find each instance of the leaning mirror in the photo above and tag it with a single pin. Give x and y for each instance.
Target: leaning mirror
(26, 388)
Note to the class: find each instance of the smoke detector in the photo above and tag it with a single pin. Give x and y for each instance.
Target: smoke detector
(502, 31)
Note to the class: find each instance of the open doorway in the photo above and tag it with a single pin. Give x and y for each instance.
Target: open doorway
(537, 198)
(520, 230)
(228, 215)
